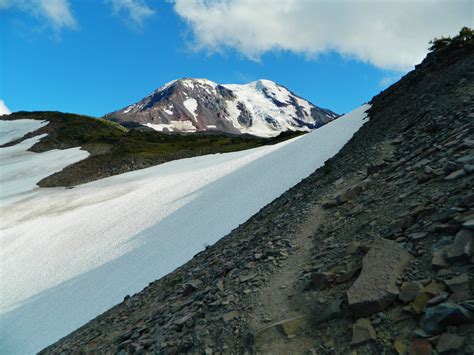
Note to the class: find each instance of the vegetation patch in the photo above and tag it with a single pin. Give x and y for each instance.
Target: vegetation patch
(115, 149)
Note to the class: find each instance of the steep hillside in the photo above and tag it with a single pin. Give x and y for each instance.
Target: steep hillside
(372, 253)
(262, 108)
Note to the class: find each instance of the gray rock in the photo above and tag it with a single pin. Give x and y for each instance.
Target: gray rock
(351, 192)
(320, 280)
(469, 224)
(455, 175)
(376, 288)
(438, 317)
(191, 286)
(329, 311)
(229, 316)
(449, 343)
(362, 332)
(409, 290)
(463, 246)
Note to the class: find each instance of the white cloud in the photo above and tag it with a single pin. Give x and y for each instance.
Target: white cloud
(136, 11)
(388, 34)
(57, 13)
(4, 110)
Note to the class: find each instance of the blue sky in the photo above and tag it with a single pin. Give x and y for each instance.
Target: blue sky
(93, 57)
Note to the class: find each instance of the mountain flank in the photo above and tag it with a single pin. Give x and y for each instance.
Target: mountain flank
(261, 108)
(115, 149)
(395, 206)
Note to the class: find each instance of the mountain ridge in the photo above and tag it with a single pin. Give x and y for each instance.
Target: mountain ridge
(262, 108)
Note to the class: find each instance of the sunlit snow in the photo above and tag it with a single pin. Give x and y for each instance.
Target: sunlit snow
(69, 254)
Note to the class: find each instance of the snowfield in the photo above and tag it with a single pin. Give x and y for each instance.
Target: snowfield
(68, 255)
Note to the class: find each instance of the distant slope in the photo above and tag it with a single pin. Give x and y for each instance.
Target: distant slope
(262, 108)
(115, 149)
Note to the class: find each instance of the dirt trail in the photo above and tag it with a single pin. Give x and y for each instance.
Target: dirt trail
(282, 298)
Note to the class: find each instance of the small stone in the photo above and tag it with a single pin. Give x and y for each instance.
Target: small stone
(469, 224)
(351, 192)
(459, 285)
(347, 276)
(433, 288)
(409, 290)
(420, 347)
(291, 326)
(438, 260)
(469, 168)
(362, 332)
(420, 302)
(258, 256)
(438, 317)
(246, 278)
(463, 246)
(320, 280)
(329, 311)
(400, 347)
(417, 236)
(353, 247)
(449, 343)
(455, 175)
(191, 286)
(229, 316)
(443, 296)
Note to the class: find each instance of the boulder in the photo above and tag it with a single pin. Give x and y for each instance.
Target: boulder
(376, 288)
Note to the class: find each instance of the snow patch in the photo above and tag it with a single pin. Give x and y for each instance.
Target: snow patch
(65, 258)
(181, 126)
(4, 110)
(14, 129)
(191, 105)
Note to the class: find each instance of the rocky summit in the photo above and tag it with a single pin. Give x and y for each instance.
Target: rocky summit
(371, 254)
(261, 108)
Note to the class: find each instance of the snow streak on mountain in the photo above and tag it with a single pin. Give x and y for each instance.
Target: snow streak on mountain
(262, 108)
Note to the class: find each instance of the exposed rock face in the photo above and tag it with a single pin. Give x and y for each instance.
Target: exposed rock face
(261, 108)
(376, 287)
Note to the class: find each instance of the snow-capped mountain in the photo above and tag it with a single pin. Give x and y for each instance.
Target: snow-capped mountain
(262, 108)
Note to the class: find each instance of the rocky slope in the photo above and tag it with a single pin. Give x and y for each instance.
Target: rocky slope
(373, 253)
(262, 108)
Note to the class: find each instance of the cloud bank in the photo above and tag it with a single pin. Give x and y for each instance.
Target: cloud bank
(388, 34)
(56, 13)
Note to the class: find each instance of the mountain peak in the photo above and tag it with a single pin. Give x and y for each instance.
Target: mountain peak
(262, 107)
